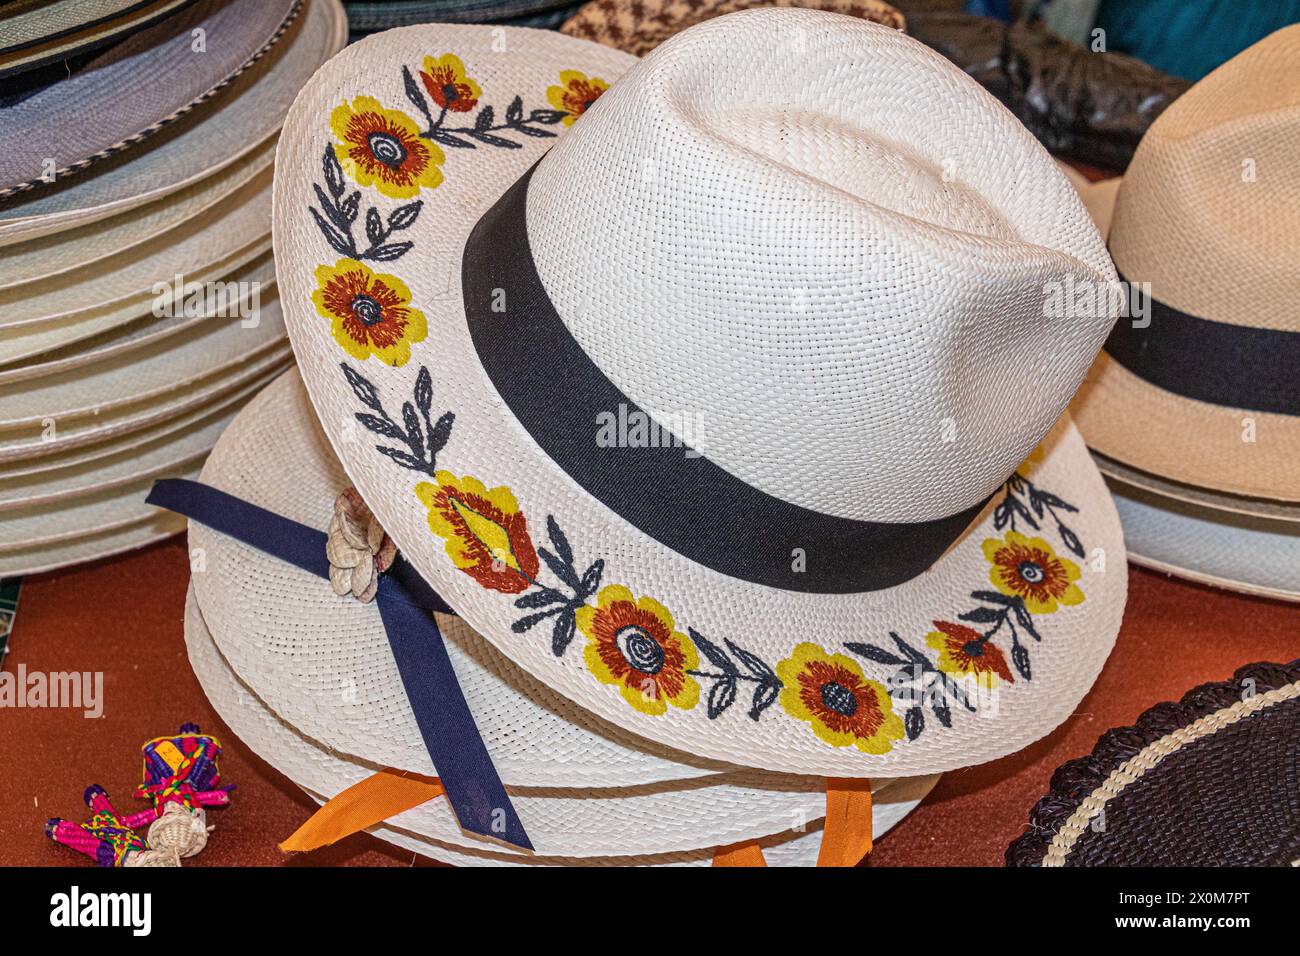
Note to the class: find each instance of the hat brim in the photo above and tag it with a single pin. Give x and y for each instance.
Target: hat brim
(1238, 552)
(573, 822)
(718, 809)
(1237, 451)
(240, 120)
(115, 101)
(1207, 781)
(737, 697)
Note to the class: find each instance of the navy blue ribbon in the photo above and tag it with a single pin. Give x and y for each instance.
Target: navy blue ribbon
(406, 605)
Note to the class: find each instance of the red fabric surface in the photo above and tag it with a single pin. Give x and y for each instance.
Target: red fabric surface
(124, 617)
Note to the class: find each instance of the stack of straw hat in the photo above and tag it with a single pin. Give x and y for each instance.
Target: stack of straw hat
(1193, 408)
(138, 308)
(885, 552)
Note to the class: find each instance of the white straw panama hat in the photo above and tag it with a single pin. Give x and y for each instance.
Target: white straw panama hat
(115, 101)
(579, 819)
(320, 669)
(1203, 389)
(38, 32)
(809, 252)
(153, 526)
(239, 120)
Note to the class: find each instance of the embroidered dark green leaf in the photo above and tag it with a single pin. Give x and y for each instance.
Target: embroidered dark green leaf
(550, 117)
(1025, 619)
(558, 541)
(489, 140)
(1071, 540)
(561, 570)
(403, 217)
(423, 389)
(413, 94)
(1020, 657)
(405, 459)
(334, 237)
(442, 136)
(414, 436)
(873, 654)
(755, 665)
(764, 694)
(536, 133)
(389, 252)
(380, 426)
(564, 629)
(524, 623)
(721, 696)
(939, 707)
(591, 578)
(714, 653)
(994, 597)
(541, 597)
(914, 722)
(333, 172)
(440, 433)
(981, 615)
(484, 119)
(374, 226)
(515, 111)
(361, 387)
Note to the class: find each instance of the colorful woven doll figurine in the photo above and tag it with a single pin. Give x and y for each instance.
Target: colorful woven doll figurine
(181, 775)
(106, 839)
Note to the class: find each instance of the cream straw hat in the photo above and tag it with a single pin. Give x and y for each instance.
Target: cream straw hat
(1208, 214)
(238, 121)
(809, 252)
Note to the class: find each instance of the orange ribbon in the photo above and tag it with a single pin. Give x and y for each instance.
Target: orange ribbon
(846, 838)
(739, 854)
(365, 804)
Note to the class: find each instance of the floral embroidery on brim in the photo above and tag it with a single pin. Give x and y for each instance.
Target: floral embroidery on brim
(486, 534)
(383, 148)
(1029, 568)
(843, 707)
(445, 81)
(633, 644)
(575, 94)
(965, 652)
(370, 313)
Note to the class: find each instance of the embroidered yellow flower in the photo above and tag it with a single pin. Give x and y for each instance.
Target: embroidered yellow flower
(632, 643)
(485, 532)
(963, 652)
(844, 708)
(382, 148)
(575, 94)
(370, 313)
(1028, 568)
(445, 81)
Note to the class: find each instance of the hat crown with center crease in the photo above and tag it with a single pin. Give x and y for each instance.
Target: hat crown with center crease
(819, 284)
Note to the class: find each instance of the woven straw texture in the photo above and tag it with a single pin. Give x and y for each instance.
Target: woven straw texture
(638, 26)
(322, 662)
(568, 822)
(1209, 214)
(91, 547)
(737, 164)
(1213, 780)
(1203, 498)
(85, 349)
(37, 440)
(43, 32)
(125, 280)
(62, 252)
(1241, 552)
(238, 121)
(116, 101)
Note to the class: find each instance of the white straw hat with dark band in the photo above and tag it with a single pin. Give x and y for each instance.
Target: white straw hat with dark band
(812, 254)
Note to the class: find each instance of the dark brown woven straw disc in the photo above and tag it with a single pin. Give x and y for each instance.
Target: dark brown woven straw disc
(1213, 780)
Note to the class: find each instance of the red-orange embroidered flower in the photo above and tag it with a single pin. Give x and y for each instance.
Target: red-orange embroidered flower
(830, 692)
(575, 94)
(634, 644)
(382, 148)
(486, 533)
(370, 313)
(445, 81)
(963, 652)
(1030, 569)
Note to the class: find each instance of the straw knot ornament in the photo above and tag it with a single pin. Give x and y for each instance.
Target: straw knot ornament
(357, 548)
